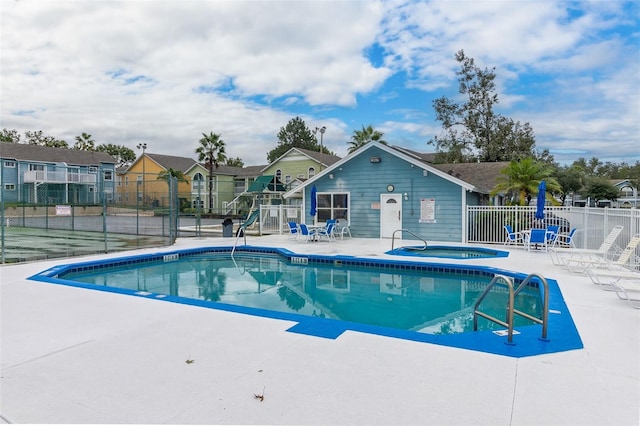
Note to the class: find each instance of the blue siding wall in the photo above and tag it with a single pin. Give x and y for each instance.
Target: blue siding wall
(365, 181)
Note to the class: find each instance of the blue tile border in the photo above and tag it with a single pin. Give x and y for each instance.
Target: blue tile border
(562, 334)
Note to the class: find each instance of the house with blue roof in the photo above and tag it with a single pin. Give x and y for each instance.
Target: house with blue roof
(379, 189)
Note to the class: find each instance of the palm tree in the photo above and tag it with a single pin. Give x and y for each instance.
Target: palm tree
(522, 177)
(364, 136)
(211, 151)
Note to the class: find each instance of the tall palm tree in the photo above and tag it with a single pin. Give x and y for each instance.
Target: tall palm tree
(522, 177)
(211, 151)
(364, 136)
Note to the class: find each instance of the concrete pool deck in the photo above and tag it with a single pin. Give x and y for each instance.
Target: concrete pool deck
(71, 355)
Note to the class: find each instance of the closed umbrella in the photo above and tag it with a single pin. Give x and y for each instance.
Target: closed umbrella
(542, 189)
(314, 202)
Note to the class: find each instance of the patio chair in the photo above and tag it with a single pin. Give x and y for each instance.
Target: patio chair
(513, 237)
(604, 277)
(552, 233)
(581, 264)
(536, 236)
(558, 254)
(327, 232)
(294, 232)
(306, 234)
(565, 240)
(342, 229)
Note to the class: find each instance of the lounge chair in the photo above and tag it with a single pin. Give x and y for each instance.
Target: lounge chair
(627, 290)
(604, 277)
(560, 256)
(581, 264)
(306, 234)
(294, 232)
(536, 236)
(513, 237)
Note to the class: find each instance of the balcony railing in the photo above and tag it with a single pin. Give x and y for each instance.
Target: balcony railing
(40, 176)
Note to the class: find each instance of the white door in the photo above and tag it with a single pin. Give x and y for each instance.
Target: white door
(390, 214)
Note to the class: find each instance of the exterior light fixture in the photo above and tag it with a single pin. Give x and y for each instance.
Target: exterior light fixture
(374, 159)
(406, 196)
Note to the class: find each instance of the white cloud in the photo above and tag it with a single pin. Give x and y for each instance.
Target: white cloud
(168, 70)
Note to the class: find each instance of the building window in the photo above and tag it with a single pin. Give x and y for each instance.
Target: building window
(279, 174)
(11, 164)
(119, 180)
(36, 167)
(93, 170)
(287, 179)
(333, 205)
(126, 181)
(312, 172)
(9, 186)
(108, 175)
(198, 184)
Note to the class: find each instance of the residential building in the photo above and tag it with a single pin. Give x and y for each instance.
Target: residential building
(41, 175)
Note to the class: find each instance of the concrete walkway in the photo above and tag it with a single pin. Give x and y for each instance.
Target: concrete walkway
(71, 355)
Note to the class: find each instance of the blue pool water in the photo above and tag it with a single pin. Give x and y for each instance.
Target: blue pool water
(448, 252)
(327, 295)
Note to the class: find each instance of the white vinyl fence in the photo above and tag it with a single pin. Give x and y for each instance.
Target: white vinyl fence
(485, 224)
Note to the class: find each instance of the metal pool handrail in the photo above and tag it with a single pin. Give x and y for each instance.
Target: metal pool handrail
(393, 238)
(510, 305)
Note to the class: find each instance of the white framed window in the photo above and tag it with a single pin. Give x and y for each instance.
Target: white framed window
(279, 174)
(36, 167)
(333, 205)
(311, 172)
(11, 164)
(108, 175)
(93, 170)
(126, 181)
(9, 186)
(287, 179)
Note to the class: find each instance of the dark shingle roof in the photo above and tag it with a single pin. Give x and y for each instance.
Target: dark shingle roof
(481, 175)
(172, 162)
(27, 152)
(326, 159)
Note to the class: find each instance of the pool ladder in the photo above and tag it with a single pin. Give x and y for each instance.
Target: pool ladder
(511, 311)
(393, 238)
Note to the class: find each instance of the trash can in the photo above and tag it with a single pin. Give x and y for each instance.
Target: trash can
(227, 228)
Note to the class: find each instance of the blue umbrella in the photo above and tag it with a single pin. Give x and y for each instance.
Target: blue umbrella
(314, 202)
(542, 189)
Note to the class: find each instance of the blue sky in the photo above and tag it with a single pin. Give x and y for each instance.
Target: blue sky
(165, 71)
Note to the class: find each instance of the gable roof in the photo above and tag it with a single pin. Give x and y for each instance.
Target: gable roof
(45, 154)
(478, 177)
(172, 162)
(322, 158)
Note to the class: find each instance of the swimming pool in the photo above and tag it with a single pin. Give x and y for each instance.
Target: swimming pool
(448, 252)
(324, 295)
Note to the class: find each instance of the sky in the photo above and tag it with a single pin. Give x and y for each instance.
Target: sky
(164, 72)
